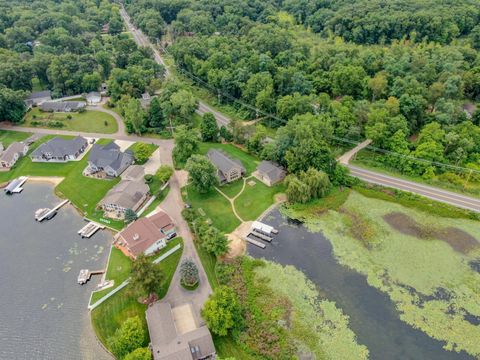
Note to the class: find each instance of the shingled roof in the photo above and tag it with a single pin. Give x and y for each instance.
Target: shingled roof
(223, 162)
(109, 155)
(59, 147)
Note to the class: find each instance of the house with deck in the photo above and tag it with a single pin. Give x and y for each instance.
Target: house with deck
(228, 169)
(145, 235)
(125, 195)
(109, 160)
(270, 173)
(60, 150)
(10, 156)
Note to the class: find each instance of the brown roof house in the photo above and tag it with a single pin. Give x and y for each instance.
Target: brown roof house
(145, 235)
(10, 156)
(228, 169)
(125, 195)
(175, 334)
(270, 173)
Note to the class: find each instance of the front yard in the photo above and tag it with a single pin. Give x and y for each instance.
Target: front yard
(88, 121)
(7, 137)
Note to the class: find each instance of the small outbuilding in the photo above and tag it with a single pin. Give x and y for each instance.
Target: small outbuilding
(93, 98)
(38, 97)
(270, 173)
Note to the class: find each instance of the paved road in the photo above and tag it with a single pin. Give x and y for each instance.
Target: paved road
(431, 192)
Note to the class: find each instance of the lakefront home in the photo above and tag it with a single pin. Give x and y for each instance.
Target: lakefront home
(60, 150)
(62, 106)
(108, 159)
(270, 173)
(123, 196)
(228, 169)
(10, 156)
(145, 235)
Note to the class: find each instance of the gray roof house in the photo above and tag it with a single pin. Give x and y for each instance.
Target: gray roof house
(134, 172)
(181, 339)
(270, 173)
(38, 97)
(109, 159)
(228, 169)
(62, 106)
(60, 150)
(93, 98)
(10, 156)
(125, 195)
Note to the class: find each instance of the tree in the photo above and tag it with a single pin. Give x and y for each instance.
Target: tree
(189, 272)
(135, 117)
(227, 135)
(183, 105)
(297, 191)
(91, 82)
(209, 128)
(222, 310)
(155, 114)
(291, 105)
(213, 241)
(129, 337)
(186, 143)
(130, 216)
(378, 86)
(139, 354)
(12, 107)
(201, 173)
(142, 153)
(317, 182)
(146, 277)
(164, 173)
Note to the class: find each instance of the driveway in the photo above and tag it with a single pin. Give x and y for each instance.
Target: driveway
(152, 165)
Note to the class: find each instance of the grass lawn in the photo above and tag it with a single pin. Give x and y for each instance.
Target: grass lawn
(7, 137)
(249, 161)
(227, 347)
(88, 121)
(233, 188)
(135, 148)
(110, 315)
(157, 201)
(208, 261)
(215, 207)
(254, 200)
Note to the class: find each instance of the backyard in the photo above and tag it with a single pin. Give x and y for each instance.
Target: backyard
(88, 121)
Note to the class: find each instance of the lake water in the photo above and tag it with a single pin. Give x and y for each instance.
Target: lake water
(373, 317)
(43, 313)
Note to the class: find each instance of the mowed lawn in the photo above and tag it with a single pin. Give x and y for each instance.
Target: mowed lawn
(7, 137)
(111, 314)
(88, 121)
(254, 200)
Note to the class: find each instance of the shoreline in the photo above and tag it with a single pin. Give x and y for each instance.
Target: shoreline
(55, 180)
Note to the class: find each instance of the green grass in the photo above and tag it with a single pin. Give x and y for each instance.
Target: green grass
(158, 200)
(215, 206)
(254, 200)
(226, 347)
(110, 315)
(88, 121)
(150, 147)
(208, 261)
(7, 137)
(250, 162)
(233, 188)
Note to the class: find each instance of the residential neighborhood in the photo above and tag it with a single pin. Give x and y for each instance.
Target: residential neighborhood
(108, 160)
(60, 150)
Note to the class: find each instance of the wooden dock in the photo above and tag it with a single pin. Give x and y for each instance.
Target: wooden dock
(91, 228)
(86, 274)
(48, 213)
(261, 235)
(15, 186)
(255, 242)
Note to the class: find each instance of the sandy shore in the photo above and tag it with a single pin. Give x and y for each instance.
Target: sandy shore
(55, 180)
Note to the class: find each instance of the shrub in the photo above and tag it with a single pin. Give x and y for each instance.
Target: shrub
(69, 117)
(189, 272)
(148, 178)
(55, 124)
(127, 338)
(82, 110)
(130, 216)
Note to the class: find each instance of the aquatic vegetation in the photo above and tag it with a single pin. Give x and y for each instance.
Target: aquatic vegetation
(422, 261)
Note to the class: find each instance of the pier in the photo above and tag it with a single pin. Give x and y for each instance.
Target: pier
(42, 214)
(255, 242)
(15, 186)
(261, 235)
(86, 274)
(91, 228)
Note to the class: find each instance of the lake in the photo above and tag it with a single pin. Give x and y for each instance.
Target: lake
(373, 316)
(43, 312)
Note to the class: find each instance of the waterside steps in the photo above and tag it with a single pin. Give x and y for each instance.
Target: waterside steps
(42, 214)
(86, 274)
(15, 186)
(91, 228)
(254, 242)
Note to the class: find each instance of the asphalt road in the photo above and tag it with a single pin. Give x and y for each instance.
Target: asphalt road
(431, 192)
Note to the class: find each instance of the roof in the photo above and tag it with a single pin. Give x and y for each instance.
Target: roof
(110, 155)
(274, 171)
(60, 147)
(134, 172)
(168, 344)
(9, 153)
(223, 162)
(93, 95)
(40, 94)
(141, 234)
(62, 105)
(126, 193)
(162, 221)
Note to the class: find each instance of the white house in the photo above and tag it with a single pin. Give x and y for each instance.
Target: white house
(93, 98)
(15, 151)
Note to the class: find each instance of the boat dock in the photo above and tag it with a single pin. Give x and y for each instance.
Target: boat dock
(88, 230)
(260, 231)
(86, 274)
(42, 214)
(255, 242)
(261, 235)
(15, 186)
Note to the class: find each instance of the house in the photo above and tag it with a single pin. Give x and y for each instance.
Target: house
(125, 195)
(38, 97)
(228, 169)
(175, 334)
(145, 100)
(108, 159)
(10, 156)
(134, 172)
(60, 150)
(93, 98)
(62, 106)
(145, 235)
(270, 173)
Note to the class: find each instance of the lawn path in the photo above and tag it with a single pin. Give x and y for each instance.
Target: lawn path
(232, 200)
